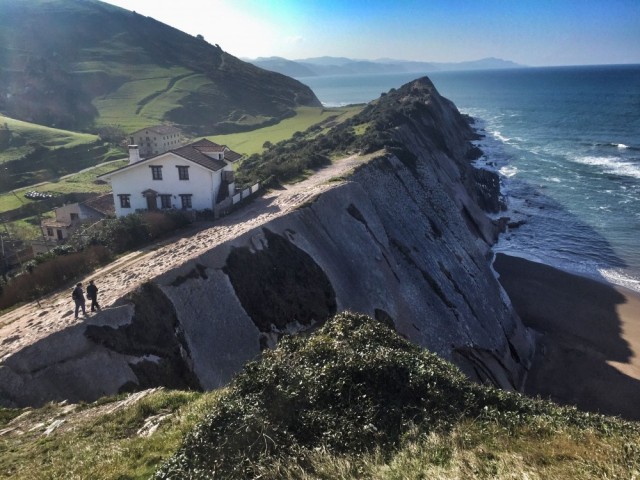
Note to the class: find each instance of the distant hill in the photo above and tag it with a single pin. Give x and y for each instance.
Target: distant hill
(81, 64)
(311, 67)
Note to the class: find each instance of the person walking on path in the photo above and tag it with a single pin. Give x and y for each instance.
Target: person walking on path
(92, 294)
(78, 298)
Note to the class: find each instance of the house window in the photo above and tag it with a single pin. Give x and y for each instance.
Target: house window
(125, 200)
(156, 172)
(183, 173)
(165, 201)
(74, 216)
(186, 200)
(49, 232)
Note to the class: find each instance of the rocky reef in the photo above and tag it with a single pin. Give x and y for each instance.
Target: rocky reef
(404, 238)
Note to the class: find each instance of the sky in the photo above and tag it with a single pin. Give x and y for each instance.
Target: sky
(528, 32)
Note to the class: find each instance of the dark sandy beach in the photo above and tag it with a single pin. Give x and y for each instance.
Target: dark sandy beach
(589, 344)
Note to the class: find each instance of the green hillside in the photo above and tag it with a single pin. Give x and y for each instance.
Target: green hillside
(32, 153)
(82, 64)
(352, 401)
(19, 139)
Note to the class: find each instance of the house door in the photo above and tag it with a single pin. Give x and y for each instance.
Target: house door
(152, 204)
(60, 237)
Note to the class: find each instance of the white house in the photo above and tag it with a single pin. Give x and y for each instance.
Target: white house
(156, 140)
(198, 176)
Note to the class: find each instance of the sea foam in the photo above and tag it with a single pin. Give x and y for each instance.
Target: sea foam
(611, 165)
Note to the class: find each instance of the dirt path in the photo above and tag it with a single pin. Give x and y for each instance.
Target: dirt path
(32, 322)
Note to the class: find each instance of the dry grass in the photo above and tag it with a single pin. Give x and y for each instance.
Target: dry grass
(474, 450)
(103, 440)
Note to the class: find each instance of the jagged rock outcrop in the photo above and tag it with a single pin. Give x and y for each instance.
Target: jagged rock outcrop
(403, 239)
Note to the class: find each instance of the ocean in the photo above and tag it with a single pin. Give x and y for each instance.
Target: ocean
(566, 142)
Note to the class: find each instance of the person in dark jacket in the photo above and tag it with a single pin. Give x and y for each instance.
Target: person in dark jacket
(78, 298)
(92, 294)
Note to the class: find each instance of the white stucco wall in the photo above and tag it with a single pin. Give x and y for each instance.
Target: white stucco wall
(203, 184)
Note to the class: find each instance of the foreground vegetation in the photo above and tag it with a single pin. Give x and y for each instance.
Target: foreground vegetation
(352, 401)
(108, 439)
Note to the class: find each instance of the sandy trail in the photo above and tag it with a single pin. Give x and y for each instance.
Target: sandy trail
(31, 322)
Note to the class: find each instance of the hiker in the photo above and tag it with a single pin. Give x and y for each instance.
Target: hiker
(78, 297)
(92, 294)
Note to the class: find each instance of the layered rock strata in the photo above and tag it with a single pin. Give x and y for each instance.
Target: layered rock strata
(404, 238)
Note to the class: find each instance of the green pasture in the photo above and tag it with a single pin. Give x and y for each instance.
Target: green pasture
(132, 107)
(171, 97)
(28, 228)
(24, 136)
(249, 143)
(84, 181)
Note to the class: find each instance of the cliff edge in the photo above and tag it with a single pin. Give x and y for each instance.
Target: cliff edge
(399, 233)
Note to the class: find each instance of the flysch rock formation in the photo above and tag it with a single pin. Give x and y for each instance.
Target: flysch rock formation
(401, 235)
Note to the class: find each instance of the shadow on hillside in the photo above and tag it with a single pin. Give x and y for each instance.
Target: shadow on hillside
(581, 334)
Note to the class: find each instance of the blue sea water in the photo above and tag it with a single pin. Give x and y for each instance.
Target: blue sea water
(566, 141)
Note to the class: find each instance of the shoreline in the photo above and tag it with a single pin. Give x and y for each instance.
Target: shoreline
(588, 346)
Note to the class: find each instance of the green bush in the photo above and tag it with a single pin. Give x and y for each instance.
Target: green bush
(86, 250)
(354, 386)
(133, 231)
(45, 277)
(290, 158)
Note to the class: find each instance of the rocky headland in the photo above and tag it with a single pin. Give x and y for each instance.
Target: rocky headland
(400, 234)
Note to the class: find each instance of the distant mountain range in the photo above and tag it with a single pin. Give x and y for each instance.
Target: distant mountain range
(321, 66)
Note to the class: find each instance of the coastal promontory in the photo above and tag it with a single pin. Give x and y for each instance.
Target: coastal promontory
(398, 230)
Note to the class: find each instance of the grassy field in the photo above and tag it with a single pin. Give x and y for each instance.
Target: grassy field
(132, 107)
(28, 228)
(106, 440)
(251, 142)
(84, 181)
(24, 136)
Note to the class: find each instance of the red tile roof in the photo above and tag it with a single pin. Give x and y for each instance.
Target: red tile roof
(102, 204)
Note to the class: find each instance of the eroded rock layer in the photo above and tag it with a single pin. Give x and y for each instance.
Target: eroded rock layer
(404, 239)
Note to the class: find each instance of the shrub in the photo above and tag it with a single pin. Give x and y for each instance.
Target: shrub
(130, 232)
(160, 223)
(352, 387)
(86, 250)
(50, 275)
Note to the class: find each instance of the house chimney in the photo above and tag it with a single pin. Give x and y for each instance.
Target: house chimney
(134, 154)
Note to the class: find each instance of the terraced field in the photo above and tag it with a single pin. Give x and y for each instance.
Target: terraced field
(132, 107)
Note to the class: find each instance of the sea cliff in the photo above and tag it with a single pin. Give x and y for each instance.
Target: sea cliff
(402, 236)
